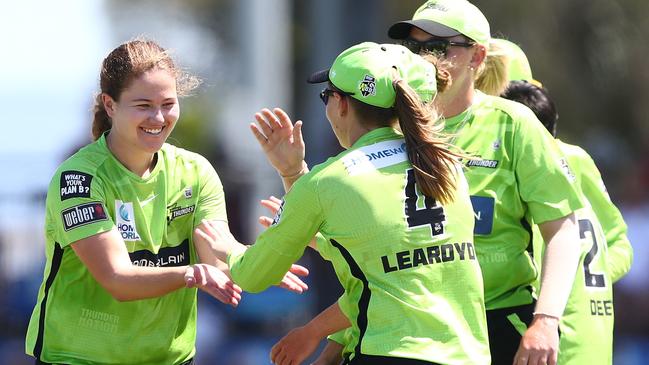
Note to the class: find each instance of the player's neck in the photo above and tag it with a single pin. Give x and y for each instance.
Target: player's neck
(138, 162)
(453, 102)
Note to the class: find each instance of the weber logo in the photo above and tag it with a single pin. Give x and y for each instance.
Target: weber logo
(75, 184)
(80, 215)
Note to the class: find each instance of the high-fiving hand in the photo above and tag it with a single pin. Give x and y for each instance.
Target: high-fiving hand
(280, 140)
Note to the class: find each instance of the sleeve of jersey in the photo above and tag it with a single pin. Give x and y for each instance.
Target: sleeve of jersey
(322, 246)
(340, 337)
(620, 252)
(211, 201)
(266, 262)
(77, 206)
(544, 177)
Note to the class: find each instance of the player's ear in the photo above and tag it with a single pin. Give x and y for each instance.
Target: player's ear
(109, 104)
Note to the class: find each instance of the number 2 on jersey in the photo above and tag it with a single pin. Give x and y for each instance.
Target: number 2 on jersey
(591, 280)
(431, 214)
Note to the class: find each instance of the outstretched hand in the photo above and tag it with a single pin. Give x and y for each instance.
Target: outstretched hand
(214, 282)
(295, 347)
(217, 236)
(280, 140)
(272, 204)
(540, 343)
(291, 280)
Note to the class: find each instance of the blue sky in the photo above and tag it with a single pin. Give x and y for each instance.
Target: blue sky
(51, 53)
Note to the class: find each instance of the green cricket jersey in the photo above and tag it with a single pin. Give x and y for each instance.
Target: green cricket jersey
(412, 285)
(620, 252)
(75, 320)
(519, 175)
(587, 322)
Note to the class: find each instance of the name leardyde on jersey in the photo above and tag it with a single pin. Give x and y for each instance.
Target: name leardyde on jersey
(428, 255)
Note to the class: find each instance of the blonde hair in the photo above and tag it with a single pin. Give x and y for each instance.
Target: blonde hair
(493, 78)
(124, 64)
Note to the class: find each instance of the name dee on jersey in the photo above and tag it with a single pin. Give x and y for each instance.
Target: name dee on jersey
(82, 214)
(447, 252)
(602, 308)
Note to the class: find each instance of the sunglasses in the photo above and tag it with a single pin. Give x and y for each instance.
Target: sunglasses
(326, 93)
(435, 45)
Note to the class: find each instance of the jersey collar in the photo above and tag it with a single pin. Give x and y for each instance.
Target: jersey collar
(377, 135)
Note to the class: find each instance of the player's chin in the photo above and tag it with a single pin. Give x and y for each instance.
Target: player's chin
(153, 144)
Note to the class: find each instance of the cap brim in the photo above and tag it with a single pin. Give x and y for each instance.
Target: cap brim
(318, 77)
(401, 30)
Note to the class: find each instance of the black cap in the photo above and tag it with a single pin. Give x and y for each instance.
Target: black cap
(401, 30)
(318, 77)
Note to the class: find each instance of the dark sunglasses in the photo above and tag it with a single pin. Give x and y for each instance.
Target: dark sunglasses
(436, 45)
(326, 93)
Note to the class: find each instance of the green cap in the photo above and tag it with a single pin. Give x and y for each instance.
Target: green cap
(366, 72)
(518, 67)
(446, 18)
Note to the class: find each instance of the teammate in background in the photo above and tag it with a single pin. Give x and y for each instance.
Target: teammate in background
(509, 185)
(587, 323)
(120, 217)
(394, 212)
(505, 61)
(515, 66)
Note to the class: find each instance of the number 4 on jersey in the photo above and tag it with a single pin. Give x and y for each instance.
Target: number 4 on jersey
(431, 214)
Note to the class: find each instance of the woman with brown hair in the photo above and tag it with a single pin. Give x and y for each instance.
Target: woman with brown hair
(119, 226)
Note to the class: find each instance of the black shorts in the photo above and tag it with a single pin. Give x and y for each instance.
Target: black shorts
(384, 360)
(506, 328)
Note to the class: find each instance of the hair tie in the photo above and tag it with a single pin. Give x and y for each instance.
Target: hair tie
(396, 81)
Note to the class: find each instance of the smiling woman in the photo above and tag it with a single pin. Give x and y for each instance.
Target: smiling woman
(120, 221)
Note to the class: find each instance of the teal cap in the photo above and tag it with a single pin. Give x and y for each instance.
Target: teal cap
(446, 18)
(367, 70)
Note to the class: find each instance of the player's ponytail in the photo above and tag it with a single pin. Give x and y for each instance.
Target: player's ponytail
(101, 121)
(428, 152)
(493, 77)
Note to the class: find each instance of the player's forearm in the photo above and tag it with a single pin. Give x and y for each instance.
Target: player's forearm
(329, 321)
(331, 354)
(259, 268)
(134, 282)
(559, 264)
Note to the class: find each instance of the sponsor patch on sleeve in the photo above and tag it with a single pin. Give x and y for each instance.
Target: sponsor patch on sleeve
(75, 184)
(82, 214)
